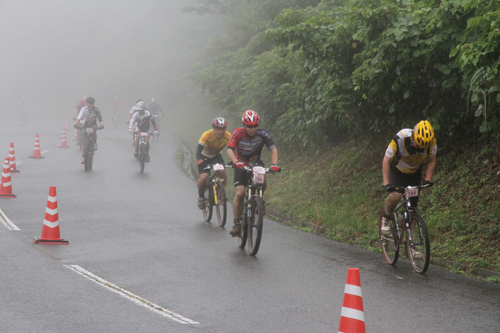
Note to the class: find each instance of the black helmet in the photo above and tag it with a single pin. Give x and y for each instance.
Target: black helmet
(90, 100)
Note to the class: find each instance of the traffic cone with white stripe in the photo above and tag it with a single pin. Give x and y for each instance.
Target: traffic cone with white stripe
(36, 149)
(75, 138)
(67, 125)
(6, 185)
(50, 230)
(64, 143)
(12, 159)
(352, 318)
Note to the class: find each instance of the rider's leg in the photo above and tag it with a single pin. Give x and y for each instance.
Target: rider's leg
(137, 136)
(237, 210)
(223, 176)
(94, 136)
(202, 184)
(147, 144)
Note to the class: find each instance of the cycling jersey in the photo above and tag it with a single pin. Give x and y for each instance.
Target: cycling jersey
(134, 110)
(154, 108)
(248, 149)
(143, 121)
(116, 105)
(405, 157)
(212, 145)
(89, 117)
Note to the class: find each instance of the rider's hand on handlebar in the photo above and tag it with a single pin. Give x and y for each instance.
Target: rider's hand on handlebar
(389, 188)
(130, 130)
(239, 165)
(156, 132)
(275, 168)
(428, 183)
(200, 161)
(76, 126)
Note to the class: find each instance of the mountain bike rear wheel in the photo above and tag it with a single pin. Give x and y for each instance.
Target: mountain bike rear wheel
(221, 204)
(255, 225)
(419, 251)
(207, 211)
(388, 242)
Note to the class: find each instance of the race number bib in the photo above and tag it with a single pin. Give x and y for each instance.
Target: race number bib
(218, 167)
(90, 130)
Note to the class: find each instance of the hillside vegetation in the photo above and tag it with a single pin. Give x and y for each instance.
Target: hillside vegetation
(334, 81)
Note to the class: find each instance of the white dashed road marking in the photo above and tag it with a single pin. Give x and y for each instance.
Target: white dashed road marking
(8, 223)
(134, 298)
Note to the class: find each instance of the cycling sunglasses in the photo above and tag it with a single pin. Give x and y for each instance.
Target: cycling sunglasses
(254, 126)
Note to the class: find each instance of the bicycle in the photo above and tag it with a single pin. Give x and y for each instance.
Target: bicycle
(157, 121)
(252, 217)
(116, 118)
(215, 195)
(410, 222)
(142, 154)
(88, 143)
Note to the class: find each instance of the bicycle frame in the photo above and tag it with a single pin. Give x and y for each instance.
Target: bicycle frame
(212, 180)
(404, 207)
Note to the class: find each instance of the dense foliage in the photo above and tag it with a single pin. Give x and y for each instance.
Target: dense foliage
(323, 70)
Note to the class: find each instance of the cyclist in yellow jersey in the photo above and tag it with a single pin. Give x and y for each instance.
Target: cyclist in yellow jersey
(209, 152)
(402, 164)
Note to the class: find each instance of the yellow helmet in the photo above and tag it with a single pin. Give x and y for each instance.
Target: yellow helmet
(423, 134)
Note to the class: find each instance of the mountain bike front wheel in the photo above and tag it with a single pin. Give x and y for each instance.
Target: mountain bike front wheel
(418, 250)
(89, 154)
(255, 225)
(389, 242)
(221, 204)
(207, 211)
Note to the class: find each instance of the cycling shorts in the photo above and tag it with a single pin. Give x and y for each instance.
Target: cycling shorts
(400, 179)
(217, 159)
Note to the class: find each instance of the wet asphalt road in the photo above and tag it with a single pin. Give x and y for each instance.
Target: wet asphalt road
(144, 234)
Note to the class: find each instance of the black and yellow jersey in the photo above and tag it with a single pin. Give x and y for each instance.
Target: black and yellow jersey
(405, 157)
(212, 146)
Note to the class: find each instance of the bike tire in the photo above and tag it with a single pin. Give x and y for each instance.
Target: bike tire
(208, 210)
(142, 157)
(420, 253)
(221, 204)
(389, 243)
(87, 164)
(255, 225)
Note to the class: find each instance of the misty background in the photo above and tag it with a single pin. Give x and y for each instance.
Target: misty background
(55, 51)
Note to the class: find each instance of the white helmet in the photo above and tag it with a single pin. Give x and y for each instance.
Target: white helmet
(140, 105)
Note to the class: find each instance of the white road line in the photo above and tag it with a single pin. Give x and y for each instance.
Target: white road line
(8, 223)
(44, 151)
(19, 162)
(134, 298)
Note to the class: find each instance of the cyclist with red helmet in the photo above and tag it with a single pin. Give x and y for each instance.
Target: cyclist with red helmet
(244, 149)
(209, 152)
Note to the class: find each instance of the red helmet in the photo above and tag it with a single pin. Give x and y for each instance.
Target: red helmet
(250, 118)
(219, 123)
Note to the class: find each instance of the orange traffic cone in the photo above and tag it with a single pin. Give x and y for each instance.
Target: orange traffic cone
(36, 150)
(64, 144)
(12, 159)
(6, 185)
(75, 138)
(50, 230)
(352, 318)
(67, 125)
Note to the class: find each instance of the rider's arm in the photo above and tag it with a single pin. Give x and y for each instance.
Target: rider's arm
(274, 155)
(199, 149)
(232, 155)
(431, 165)
(132, 120)
(386, 167)
(155, 126)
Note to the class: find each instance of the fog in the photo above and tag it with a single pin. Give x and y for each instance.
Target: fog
(55, 51)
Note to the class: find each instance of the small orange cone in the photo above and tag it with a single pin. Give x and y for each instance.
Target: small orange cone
(12, 159)
(352, 318)
(6, 185)
(36, 150)
(75, 138)
(50, 230)
(67, 125)
(64, 144)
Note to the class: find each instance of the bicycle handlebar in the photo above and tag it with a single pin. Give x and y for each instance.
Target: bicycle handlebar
(211, 166)
(403, 189)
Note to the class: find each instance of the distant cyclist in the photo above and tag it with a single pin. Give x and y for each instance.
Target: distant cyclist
(140, 123)
(209, 152)
(155, 109)
(79, 106)
(402, 165)
(244, 149)
(138, 105)
(89, 114)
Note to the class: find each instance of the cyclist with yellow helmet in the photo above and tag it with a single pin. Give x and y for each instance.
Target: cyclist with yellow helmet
(402, 164)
